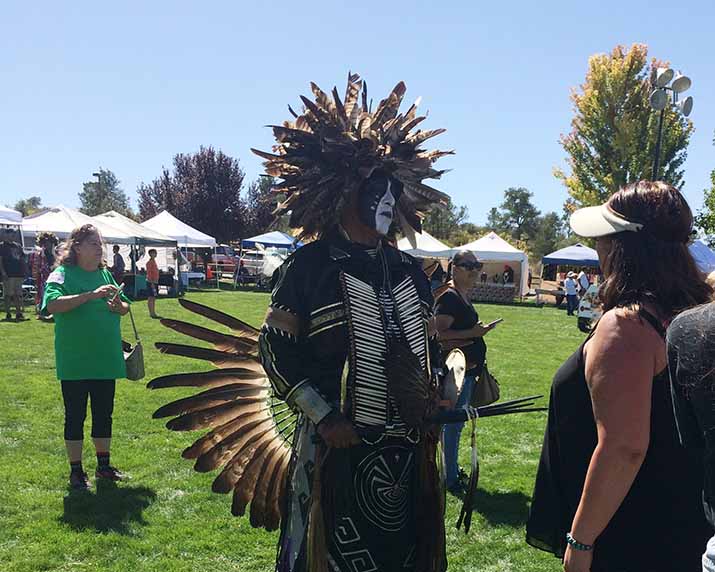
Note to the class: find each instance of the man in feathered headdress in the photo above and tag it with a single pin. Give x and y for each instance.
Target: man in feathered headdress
(346, 342)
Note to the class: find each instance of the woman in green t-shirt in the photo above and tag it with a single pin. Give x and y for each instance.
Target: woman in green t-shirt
(87, 306)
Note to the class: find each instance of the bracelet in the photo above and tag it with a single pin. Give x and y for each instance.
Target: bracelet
(576, 545)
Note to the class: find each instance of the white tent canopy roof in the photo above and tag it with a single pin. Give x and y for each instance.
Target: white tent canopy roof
(427, 246)
(62, 220)
(493, 248)
(168, 225)
(9, 217)
(142, 234)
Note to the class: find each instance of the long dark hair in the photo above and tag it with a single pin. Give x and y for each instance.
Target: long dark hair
(654, 264)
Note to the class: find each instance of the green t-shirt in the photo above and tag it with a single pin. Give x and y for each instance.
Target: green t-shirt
(88, 339)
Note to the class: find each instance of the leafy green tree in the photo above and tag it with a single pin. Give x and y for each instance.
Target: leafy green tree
(28, 206)
(516, 216)
(705, 217)
(613, 136)
(550, 235)
(441, 222)
(104, 195)
(261, 201)
(203, 190)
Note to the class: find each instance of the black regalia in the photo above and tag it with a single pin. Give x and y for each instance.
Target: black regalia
(348, 302)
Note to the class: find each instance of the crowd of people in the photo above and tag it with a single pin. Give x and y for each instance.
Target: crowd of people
(354, 341)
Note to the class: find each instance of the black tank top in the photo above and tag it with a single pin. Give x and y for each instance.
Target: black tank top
(660, 525)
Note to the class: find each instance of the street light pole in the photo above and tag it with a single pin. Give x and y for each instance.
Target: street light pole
(660, 99)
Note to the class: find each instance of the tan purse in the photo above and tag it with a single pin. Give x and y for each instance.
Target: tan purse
(486, 390)
(134, 356)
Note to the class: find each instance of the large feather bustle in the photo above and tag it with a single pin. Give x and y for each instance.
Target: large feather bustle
(248, 428)
(334, 145)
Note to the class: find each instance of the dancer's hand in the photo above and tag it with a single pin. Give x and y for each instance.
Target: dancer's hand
(577, 560)
(337, 431)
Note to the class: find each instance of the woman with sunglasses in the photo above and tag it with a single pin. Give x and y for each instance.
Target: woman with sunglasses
(458, 325)
(615, 491)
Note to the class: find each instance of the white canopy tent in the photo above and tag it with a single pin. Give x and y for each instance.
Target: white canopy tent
(187, 236)
(62, 220)
(494, 249)
(11, 219)
(427, 246)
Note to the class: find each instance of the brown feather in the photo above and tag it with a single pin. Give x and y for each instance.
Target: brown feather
(244, 451)
(210, 379)
(279, 501)
(244, 490)
(407, 383)
(211, 398)
(216, 357)
(244, 329)
(223, 342)
(218, 434)
(231, 448)
(210, 418)
(261, 505)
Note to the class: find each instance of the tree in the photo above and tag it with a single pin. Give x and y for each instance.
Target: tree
(613, 136)
(28, 206)
(516, 216)
(705, 217)
(442, 222)
(261, 201)
(104, 195)
(549, 236)
(204, 190)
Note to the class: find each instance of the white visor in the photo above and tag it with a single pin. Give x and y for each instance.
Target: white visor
(597, 221)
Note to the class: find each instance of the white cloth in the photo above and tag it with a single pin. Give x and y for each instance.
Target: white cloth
(583, 281)
(570, 287)
(709, 556)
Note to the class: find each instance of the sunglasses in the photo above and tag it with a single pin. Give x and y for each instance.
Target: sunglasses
(470, 265)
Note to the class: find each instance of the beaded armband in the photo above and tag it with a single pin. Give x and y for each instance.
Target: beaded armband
(576, 545)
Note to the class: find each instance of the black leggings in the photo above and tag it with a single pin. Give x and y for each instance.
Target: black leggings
(75, 394)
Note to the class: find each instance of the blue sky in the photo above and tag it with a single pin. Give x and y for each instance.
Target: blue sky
(127, 85)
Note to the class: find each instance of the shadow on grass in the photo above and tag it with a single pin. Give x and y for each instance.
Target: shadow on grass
(501, 508)
(110, 508)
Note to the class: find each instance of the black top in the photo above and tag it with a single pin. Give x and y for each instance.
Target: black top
(465, 316)
(660, 525)
(13, 262)
(691, 351)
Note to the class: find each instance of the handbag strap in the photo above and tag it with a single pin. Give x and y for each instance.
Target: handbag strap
(134, 327)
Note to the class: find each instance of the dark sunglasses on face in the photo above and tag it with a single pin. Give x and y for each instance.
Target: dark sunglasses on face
(470, 265)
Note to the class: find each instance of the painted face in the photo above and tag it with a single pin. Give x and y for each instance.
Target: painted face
(377, 200)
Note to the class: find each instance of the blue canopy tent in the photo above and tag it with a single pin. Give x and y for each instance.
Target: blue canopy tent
(275, 239)
(576, 255)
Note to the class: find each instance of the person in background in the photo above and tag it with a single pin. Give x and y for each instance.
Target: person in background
(571, 287)
(508, 275)
(458, 325)
(152, 283)
(42, 261)
(691, 353)
(13, 271)
(583, 282)
(438, 276)
(87, 306)
(612, 466)
(117, 265)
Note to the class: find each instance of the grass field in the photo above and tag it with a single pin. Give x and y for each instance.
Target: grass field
(166, 519)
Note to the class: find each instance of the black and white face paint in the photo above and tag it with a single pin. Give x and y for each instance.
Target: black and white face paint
(377, 200)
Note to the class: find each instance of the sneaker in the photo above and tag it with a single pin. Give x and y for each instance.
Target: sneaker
(110, 473)
(79, 481)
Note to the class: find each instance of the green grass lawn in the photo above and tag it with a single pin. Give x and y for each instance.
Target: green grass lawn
(166, 518)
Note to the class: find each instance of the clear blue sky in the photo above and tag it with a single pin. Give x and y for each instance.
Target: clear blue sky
(127, 85)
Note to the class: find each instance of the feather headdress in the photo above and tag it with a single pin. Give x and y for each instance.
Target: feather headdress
(334, 145)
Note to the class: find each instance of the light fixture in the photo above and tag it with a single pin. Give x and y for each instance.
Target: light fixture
(686, 105)
(663, 76)
(681, 83)
(658, 99)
